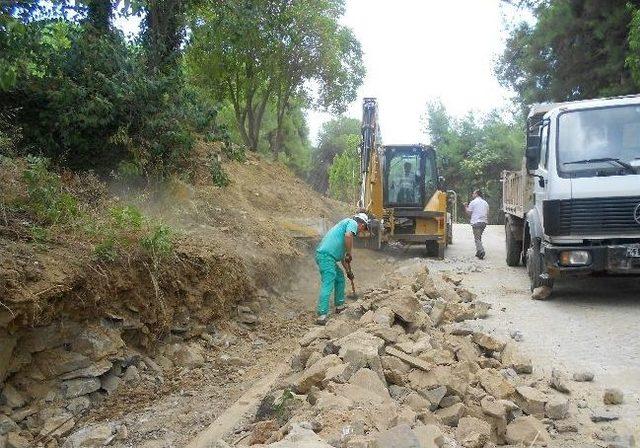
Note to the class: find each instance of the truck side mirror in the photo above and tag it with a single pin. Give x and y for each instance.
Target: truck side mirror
(532, 152)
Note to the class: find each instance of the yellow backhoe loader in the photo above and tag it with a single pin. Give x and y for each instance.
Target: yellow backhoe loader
(401, 190)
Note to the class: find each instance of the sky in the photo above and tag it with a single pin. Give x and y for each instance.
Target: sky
(421, 50)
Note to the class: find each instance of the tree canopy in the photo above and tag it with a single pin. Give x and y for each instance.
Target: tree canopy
(75, 89)
(336, 137)
(473, 151)
(575, 49)
(258, 54)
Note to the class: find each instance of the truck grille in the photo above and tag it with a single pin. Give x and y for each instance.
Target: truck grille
(593, 216)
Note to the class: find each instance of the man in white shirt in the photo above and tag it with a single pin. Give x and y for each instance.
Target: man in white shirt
(478, 210)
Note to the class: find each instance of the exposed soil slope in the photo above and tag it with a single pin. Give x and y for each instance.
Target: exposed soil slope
(229, 241)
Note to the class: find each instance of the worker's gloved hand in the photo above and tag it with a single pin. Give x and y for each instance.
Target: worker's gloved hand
(350, 275)
(348, 258)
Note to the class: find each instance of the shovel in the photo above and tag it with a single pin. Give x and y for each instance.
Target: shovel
(350, 276)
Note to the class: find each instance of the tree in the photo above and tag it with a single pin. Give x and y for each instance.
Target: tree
(314, 50)
(256, 52)
(99, 13)
(163, 32)
(229, 57)
(344, 173)
(334, 139)
(76, 91)
(473, 151)
(576, 49)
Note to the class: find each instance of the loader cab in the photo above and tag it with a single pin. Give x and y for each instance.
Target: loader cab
(410, 176)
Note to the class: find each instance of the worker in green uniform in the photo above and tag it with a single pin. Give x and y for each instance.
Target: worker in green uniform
(335, 247)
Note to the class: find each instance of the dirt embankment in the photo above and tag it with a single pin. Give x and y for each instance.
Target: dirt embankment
(80, 305)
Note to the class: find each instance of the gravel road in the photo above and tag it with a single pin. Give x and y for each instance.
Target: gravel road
(587, 324)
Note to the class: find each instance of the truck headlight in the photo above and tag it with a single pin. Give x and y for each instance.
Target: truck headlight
(574, 258)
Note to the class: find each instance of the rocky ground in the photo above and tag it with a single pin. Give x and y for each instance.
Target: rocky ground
(84, 338)
(439, 359)
(588, 324)
(403, 368)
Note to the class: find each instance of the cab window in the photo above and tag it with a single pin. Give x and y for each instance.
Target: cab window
(404, 180)
(544, 146)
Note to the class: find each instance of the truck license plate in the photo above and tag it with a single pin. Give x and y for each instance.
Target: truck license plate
(633, 252)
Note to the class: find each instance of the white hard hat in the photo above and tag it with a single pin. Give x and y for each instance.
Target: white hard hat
(363, 217)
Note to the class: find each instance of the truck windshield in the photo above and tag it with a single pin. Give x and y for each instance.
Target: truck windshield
(599, 140)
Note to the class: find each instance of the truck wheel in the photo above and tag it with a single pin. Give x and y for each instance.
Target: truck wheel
(514, 247)
(535, 266)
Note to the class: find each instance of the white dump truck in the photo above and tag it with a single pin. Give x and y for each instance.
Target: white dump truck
(574, 208)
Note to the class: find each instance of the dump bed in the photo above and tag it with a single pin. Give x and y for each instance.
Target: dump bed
(517, 193)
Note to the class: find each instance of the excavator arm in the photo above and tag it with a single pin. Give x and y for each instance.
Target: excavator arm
(370, 154)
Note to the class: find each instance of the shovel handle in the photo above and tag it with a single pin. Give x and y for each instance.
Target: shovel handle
(350, 276)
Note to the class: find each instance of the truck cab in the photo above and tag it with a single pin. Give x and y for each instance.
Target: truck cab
(583, 163)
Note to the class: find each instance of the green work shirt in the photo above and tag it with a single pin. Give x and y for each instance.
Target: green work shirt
(333, 242)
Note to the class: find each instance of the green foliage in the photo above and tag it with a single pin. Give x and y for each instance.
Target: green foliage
(235, 152)
(344, 174)
(158, 242)
(47, 200)
(39, 234)
(335, 137)
(576, 49)
(282, 406)
(265, 54)
(218, 175)
(106, 250)
(89, 101)
(10, 133)
(79, 93)
(473, 152)
(127, 217)
(294, 148)
(633, 56)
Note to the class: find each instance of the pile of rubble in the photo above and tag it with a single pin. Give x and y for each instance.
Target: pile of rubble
(400, 368)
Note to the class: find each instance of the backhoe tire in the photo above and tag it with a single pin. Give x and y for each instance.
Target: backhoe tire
(514, 247)
(432, 249)
(535, 266)
(441, 248)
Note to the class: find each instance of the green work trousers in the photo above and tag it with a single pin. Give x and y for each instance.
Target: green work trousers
(331, 280)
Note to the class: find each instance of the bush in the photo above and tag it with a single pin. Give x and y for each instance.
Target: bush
(127, 217)
(158, 243)
(89, 101)
(218, 176)
(47, 200)
(234, 152)
(106, 250)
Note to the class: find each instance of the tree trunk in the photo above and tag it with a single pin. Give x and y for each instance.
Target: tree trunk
(164, 25)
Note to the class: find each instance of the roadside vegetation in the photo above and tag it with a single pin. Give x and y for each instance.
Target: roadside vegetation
(41, 208)
(76, 90)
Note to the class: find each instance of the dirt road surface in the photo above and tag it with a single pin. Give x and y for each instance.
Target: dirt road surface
(588, 324)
